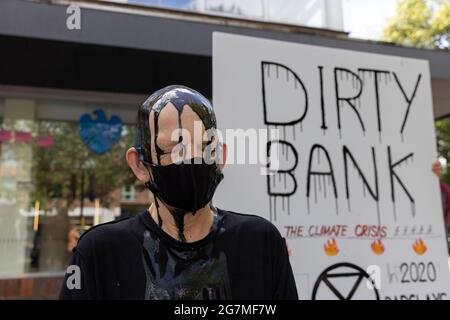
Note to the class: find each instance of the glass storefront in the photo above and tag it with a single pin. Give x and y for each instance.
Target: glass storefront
(312, 13)
(57, 178)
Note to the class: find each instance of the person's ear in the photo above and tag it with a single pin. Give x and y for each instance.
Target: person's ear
(223, 158)
(139, 170)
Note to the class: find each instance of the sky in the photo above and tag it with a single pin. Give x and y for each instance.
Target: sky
(366, 19)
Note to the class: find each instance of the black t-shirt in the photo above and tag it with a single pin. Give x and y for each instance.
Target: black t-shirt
(242, 257)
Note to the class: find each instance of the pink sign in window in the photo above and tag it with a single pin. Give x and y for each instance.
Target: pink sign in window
(22, 136)
(45, 141)
(5, 135)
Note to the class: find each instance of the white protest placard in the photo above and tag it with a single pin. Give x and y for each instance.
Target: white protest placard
(352, 138)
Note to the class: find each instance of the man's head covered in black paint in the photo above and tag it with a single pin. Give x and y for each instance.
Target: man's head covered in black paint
(177, 151)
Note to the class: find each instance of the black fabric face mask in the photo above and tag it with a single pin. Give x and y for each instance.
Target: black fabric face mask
(186, 187)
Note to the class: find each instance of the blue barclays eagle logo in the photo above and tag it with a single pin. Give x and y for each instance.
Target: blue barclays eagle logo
(98, 133)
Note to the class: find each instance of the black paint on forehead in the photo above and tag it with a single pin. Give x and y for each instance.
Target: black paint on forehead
(180, 97)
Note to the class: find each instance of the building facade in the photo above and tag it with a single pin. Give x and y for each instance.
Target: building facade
(54, 75)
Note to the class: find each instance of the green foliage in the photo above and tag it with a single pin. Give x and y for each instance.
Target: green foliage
(420, 23)
(58, 170)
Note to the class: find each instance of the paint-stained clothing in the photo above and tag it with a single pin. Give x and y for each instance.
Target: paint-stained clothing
(242, 257)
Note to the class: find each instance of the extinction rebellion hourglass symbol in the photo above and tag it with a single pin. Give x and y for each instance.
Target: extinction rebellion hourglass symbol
(345, 281)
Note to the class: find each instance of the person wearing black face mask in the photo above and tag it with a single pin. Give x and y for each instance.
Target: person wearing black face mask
(182, 247)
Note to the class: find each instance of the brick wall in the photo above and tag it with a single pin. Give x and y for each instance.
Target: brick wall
(42, 287)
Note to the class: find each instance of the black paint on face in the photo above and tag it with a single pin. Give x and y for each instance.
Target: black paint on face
(180, 97)
(166, 179)
(185, 274)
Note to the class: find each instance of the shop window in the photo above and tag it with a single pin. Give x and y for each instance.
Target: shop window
(53, 186)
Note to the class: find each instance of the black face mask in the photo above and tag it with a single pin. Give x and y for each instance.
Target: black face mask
(186, 187)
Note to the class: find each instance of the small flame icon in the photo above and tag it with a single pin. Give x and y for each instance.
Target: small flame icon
(331, 248)
(377, 247)
(419, 246)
